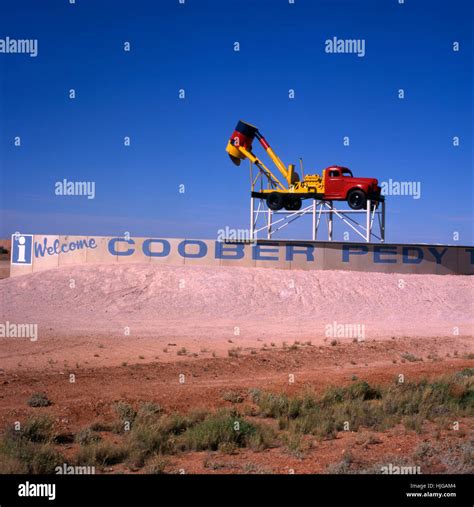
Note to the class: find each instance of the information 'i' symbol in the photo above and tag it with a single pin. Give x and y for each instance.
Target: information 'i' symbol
(21, 249)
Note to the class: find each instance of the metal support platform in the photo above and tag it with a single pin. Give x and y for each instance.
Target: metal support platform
(370, 228)
(368, 223)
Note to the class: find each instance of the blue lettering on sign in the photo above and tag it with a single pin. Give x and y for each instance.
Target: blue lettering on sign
(306, 250)
(348, 250)
(22, 249)
(259, 249)
(438, 256)
(164, 252)
(229, 251)
(406, 259)
(114, 251)
(69, 246)
(470, 251)
(384, 250)
(202, 249)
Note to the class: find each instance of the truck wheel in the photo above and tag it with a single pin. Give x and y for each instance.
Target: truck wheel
(357, 199)
(293, 204)
(275, 201)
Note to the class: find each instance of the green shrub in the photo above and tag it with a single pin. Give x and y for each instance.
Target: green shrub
(39, 400)
(273, 405)
(148, 411)
(86, 436)
(414, 423)
(317, 423)
(38, 429)
(410, 357)
(18, 454)
(234, 352)
(224, 428)
(101, 454)
(255, 394)
(125, 412)
(156, 464)
(233, 397)
(149, 437)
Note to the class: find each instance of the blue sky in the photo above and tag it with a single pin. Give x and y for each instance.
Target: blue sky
(181, 142)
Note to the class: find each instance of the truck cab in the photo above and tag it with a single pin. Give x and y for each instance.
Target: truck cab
(340, 185)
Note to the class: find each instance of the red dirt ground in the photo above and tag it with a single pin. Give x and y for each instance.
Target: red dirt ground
(91, 397)
(75, 338)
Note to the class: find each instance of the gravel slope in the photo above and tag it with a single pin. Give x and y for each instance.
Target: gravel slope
(208, 301)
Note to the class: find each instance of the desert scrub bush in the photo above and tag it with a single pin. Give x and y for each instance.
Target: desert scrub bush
(458, 457)
(275, 405)
(272, 405)
(341, 467)
(195, 416)
(366, 438)
(101, 454)
(251, 468)
(414, 423)
(466, 372)
(452, 394)
(176, 423)
(228, 448)
(357, 413)
(39, 400)
(101, 426)
(424, 451)
(410, 357)
(225, 428)
(233, 397)
(28, 453)
(146, 439)
(126, 416)
(125, 411)
(359, 390)
(38, 429)
(10, 465)
(296, 444)
(150, 437)
(363, 405)
(86, 436)
(234, 352)
(156, 464)
(316, 422)
(261, 439)
(283, 423)
(148, 411)
(255, 394)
